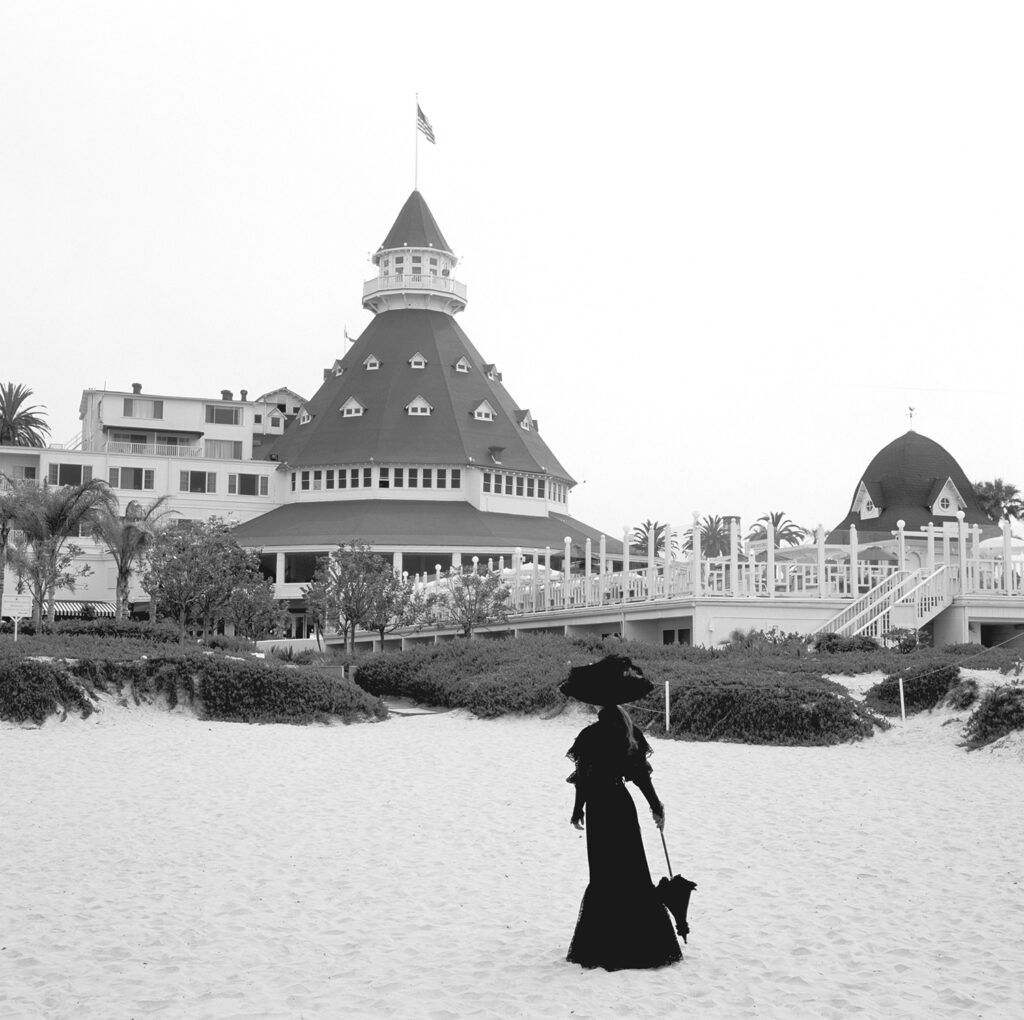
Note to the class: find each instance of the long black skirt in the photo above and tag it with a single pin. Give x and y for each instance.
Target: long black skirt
(622, 922)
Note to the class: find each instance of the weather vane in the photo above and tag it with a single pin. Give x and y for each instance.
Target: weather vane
(910, 415)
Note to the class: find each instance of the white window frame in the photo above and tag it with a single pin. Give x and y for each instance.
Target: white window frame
(419, 406)
(371, 363)
(352, 408)
(483, 411)
(418, 361)
(462, 365)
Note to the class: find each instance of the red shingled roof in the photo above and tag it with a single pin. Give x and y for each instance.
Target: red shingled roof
(415, 227)
(904, 478)
(387, 434)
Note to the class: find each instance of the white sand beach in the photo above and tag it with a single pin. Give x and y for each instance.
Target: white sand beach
(160, 866)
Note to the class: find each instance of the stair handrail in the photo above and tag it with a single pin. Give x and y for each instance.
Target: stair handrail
(916, 592)
(863, 604)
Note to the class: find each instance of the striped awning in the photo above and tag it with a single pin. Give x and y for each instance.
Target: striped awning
(74, 608)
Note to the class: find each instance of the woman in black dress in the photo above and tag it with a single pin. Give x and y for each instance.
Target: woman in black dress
(622, 921)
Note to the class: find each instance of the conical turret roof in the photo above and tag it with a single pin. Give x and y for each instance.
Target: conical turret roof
(387, 434)
(415, 227)
(903, 480)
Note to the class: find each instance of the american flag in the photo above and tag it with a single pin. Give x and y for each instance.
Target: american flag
(424, 125)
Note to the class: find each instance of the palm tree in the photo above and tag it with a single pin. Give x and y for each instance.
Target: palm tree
(20, 425)
(10, 501)
(786, 532)
(999, 499)
(127, 538)
(641, 533)
(48, 516)
(714, 536)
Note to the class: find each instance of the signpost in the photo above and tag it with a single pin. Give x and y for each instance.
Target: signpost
(17, 607)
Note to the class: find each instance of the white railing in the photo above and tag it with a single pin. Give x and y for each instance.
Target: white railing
(414, 281)
(865, 611)
(153, 450)
(927, 598)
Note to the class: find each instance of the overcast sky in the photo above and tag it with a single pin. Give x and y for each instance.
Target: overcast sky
(718, 249)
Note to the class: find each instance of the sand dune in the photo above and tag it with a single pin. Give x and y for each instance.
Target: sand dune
(160, 866)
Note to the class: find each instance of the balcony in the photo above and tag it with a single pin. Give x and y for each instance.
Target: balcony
(153, 450)
(414, 290)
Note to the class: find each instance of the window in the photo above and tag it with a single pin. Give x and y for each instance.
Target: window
(293, 481)
(944, 503)
(131, 478)
(527, 423)
(371, 364)
(428, 477)
(529, 486)
(352, 408)
(275, 423)
(198, 481)
(508, 485)
(540, 487)
(353, 478)
(258, 419)
(342, 478)
(462, 365)
(418, 361)
(433, 262)
(295, 410)
(483, 412)
(456, 478)
(305, 480)
(305, 418)
(519, 485)
(248, 485)
(318, 480)
(367, 478)
(385, 478)
(69, 474)
(442, 478)
(497, 482)
(329, 479)
(223, 449)
(219, 414)
(399, 478)
(487, 481)
(136, 408)
(24, 472)
(869, 506)
(418, 406)
(414, 478)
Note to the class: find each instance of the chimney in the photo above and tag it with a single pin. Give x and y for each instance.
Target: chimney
(226, 395)
(243, 394)
(136, 387)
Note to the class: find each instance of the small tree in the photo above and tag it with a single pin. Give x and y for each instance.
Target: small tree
(714, 536)
(345, 586)
(396, 604)
(20, 425)
(45, 567)
(48, 516)
(640, 537)
(785, 531)
(127, 537)
(473, 599)
(253, 609)
(192, 571)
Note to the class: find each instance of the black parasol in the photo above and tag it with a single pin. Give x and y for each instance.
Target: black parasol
(613, 680)
(675, 894)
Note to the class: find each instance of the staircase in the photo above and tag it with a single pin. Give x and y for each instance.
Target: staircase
(906, 599)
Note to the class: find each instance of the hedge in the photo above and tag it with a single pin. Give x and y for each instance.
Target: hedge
(219, 687)
(1000, 711)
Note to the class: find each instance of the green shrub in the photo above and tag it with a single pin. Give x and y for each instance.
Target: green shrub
(834, 643)
(924, 687)
(31, 689)
(963, 695)
(1000, 711)
(230, 643)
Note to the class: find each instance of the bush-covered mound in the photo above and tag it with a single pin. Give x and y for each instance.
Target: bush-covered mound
(713, 696)
(1000, 711)
(924, 687)
(218, 687)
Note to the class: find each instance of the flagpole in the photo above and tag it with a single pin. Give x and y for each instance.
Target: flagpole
(416, 163)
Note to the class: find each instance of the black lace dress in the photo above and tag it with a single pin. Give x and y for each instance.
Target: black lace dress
(622, 921)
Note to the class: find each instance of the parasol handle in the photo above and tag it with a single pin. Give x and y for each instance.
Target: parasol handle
(665, 847)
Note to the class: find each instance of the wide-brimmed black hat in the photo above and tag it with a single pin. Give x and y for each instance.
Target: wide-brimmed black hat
(613, 680)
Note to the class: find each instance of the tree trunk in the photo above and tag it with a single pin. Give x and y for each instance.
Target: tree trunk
(181, 624)
(121, 596)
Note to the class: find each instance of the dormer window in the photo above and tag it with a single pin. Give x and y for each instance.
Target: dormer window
(418, 406)
(352, 408)
(417, 361)
(492, 373)
(483, 411)
(462, 365)
(336, 368)
(946, 498)
(526, 422)
(305, 418)
(371, 364)
(864, 503)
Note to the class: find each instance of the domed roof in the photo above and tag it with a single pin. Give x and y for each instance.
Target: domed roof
(904, 481)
